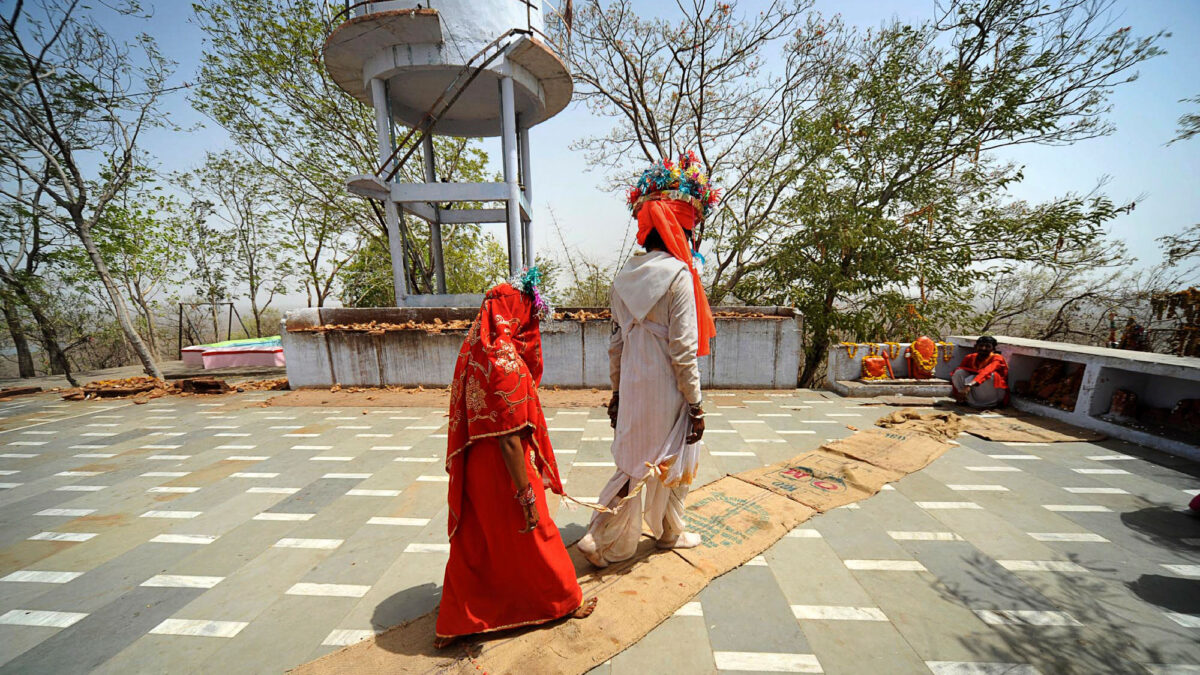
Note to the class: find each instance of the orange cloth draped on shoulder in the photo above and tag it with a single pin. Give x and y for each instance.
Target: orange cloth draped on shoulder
(671, 217)
(498, 577)
(994, 367)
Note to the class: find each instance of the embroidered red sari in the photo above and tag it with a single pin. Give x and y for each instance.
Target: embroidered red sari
(497, 577)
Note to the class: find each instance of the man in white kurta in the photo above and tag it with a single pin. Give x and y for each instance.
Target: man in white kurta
(653, 366)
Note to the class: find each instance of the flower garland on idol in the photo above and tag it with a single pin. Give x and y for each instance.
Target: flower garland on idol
(527, 281)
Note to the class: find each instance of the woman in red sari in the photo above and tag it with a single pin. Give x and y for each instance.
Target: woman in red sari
(508, 566)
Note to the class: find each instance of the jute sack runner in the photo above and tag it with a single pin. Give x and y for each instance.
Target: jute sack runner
(1021, 429)
(738, 517)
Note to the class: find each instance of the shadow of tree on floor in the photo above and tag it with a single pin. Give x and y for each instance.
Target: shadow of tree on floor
(1115, 635)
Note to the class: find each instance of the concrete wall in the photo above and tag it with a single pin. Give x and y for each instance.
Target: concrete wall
(1159, 380)
(754, 353)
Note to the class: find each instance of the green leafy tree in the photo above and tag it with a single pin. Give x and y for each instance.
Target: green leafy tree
(263, 79)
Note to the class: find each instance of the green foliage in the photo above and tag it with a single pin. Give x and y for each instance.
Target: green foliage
(263, 79)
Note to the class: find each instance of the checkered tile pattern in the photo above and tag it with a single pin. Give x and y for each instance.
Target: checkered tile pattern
(208, 535)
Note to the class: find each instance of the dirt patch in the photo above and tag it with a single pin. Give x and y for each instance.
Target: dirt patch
(419, 397)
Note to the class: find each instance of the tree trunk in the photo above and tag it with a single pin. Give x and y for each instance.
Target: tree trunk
(255, 311)
(59, 364)
(813, 355)
(20, 342)
(114, 293)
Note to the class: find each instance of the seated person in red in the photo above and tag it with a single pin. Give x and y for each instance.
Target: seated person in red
(981, 381)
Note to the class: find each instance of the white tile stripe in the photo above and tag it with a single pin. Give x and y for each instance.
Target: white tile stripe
(343, 637)
(1185, 620)
(767, 662)
(181, 581)
(42, 577)
(1041, 566)
(325, 544)
(1068, 536)
(1026, 617)
(181, 515)
(1184, 570)
(1077, 508)
(266, 515)
(837, 613)
(329, 590)
(690, 609)
(34, 617)
(427, 548)
(1096, 491)
(978, 488)
(199, 628)
(885, 565)
(933, 506)
(372, 493)
(408, 522)
(71, 513)
(200, 539)
(980, 668)
(923, 536)
(804, 533)
(63, 536)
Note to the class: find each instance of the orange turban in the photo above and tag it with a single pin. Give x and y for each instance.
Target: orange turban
(671, 217)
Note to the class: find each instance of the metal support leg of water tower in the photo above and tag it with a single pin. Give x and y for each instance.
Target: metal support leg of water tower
(527, 182)
(435, 226)
(379, 101)
(508, 138)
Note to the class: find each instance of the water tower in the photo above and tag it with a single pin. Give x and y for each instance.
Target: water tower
(468, 68)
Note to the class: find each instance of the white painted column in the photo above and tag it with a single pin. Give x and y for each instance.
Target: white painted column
(508, 139)
(392, 216)
(527, 181)
(435, 226)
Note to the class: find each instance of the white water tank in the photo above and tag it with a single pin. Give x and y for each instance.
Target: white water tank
(419, 49)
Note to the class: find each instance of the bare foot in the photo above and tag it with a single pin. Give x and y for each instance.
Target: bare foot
(685, 540)
(585, 610)
(440, 642)
(587, 546)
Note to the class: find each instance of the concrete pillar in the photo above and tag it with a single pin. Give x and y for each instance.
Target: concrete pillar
(435, 227)
(508, 139)
(527, 181)
(392, 215)
(383, 127)
(396, 246)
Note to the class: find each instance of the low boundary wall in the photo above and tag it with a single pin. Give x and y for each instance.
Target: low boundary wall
(760, 349)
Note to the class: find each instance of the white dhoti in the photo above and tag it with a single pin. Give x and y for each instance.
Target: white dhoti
(983, 395)
(653, 366)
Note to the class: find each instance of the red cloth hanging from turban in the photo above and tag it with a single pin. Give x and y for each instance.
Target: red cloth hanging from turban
(670, 218)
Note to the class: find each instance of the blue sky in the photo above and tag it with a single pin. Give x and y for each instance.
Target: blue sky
(1135, 159)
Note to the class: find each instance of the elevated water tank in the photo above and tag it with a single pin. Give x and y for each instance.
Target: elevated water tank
(419, 49)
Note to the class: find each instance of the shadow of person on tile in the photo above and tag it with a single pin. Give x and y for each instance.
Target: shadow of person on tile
(1174, 594)
(1167, 526)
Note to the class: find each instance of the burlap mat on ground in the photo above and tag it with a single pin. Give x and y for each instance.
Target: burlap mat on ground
(940, 425)
(1027, 429)
(738, 516)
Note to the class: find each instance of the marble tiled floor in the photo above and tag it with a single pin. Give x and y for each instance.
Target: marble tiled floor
(216, 535)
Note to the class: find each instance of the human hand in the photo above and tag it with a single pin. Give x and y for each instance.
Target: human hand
(695, 425)
(612, 409)
(531, 517)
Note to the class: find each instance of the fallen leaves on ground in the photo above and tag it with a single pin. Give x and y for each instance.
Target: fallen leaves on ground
(381, 327)
(144, 388)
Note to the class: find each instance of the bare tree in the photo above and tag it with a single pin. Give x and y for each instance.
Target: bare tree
(702, 83)
(74, 97)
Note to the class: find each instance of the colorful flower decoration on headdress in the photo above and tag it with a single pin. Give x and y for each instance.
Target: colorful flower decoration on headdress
(528, 281)
(683, 181)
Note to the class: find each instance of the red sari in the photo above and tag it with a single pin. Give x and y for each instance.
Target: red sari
(497, 577)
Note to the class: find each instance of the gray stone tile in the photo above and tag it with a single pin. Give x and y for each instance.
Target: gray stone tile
(745, 611)
(679, 644)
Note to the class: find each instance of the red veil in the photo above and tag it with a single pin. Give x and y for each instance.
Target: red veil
(671, 217)
(495, 386)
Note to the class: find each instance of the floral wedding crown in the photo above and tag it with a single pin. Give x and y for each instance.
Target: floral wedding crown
(683, 181)
(527, 281)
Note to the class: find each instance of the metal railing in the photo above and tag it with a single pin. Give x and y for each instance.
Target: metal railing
(343, 14)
